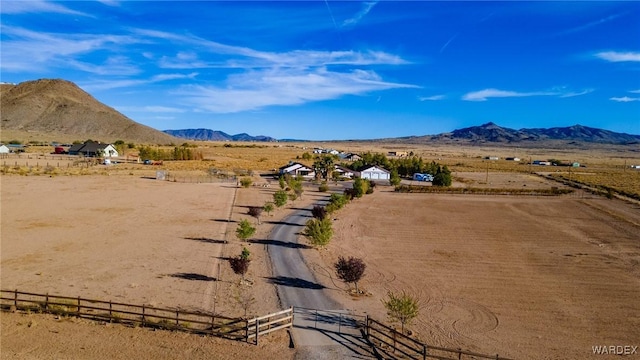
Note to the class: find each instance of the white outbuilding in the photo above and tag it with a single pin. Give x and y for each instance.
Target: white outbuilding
(375, 173)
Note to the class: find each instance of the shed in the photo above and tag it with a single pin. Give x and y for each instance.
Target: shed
(4, 149)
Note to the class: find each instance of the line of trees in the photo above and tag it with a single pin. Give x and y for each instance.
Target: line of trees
(178, 153)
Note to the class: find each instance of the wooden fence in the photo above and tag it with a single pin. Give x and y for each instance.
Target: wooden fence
(391, 344)
(265, 324)
(137, 315)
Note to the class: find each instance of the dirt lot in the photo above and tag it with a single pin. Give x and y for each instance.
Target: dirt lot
(133, 240)
(529, 278)
(526, 277)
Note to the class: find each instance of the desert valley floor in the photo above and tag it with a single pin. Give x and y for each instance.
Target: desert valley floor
(522, 276)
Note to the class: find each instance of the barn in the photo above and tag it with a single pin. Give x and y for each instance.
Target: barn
(375, 173)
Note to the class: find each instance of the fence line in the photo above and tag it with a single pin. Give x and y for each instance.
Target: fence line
(269, 323)
(389, 341)
(147, 316)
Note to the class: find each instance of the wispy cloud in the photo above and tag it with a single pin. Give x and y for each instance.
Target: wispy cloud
(635, 91)
(51, 50)
(576, 93)
(431, 98)
(258, 89)
(151, 109)
(591, 24)
(616, 56)
(624, 99)
(484, 95)
(116, 84)
(366, 7)
(36, 6)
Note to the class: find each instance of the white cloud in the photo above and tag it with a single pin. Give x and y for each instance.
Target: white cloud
(624, 99)
(26, 50)
(576, 93)
(635, 91)
(151, 109)
(258, 89)
(485, 94)
(36, 6)
(366, 7)
(163, 77)
(431, 98)
(616, 56)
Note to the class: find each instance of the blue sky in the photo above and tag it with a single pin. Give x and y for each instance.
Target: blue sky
(323, 70)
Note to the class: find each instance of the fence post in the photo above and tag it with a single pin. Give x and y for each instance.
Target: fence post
(142, 315)
(177, 314)
(78, 309)
(394, 339)
(246, 331)
(366, 325)
(46, 302)
(459, 353)
(110, 314)
(424, 352)
(257, 329)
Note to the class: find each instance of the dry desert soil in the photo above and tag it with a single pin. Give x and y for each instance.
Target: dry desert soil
(525, 277)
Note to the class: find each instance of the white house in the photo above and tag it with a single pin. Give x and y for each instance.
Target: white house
(343, 171)
(4, 149)
(93, 149)
(375, 173)
(297, 169)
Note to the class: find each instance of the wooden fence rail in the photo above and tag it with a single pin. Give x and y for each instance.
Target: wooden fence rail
(265, 324)
(142, 315)
(389, 341)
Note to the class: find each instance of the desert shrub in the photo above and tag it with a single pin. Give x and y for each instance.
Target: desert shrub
(246, 182)
(239, 265)
(323, 187)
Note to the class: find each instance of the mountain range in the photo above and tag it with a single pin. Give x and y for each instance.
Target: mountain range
(55, 109)
(215, 135)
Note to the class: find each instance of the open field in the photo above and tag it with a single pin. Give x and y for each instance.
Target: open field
(529, 278)
(526, 277)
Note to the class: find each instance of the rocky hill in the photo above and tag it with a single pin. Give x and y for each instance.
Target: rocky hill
(215, 135)
(60, 108)
(491, 133)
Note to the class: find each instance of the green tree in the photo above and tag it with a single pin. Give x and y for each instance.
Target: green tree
(282, 182)
(268, 207)
(245, 230)
(306, 156)
(323, 166)
(280, 198)
(245, 254)
(360, 187)
(401, 307)
(394, 178)
(442, 177)
(350, 270)
(319, 232)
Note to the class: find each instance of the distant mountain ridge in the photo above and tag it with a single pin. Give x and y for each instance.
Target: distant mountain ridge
(492, 133)
(215, 135)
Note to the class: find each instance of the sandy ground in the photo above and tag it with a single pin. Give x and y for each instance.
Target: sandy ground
(525, 277)
(134, 240)
(529, 278)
